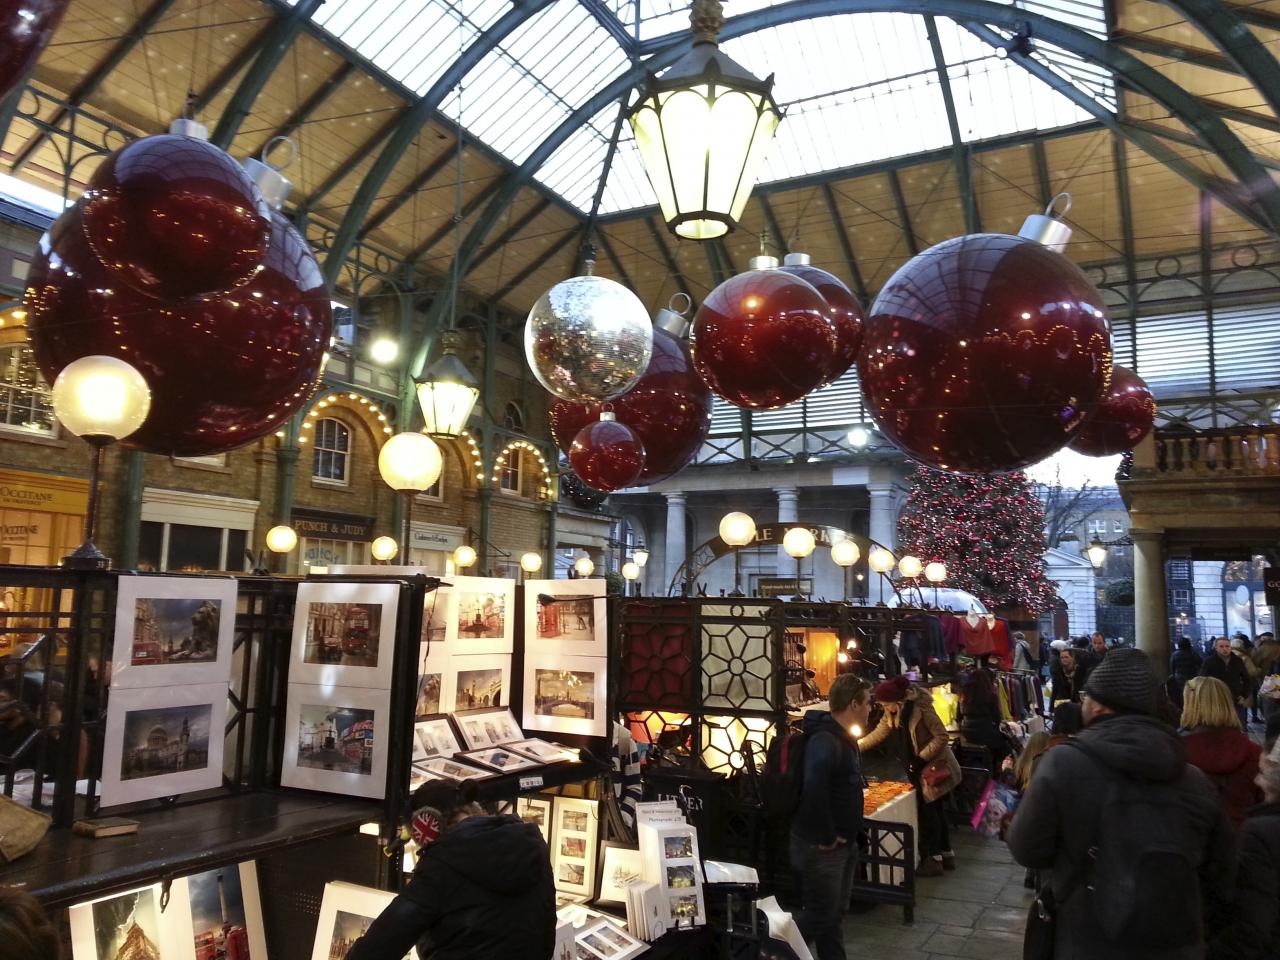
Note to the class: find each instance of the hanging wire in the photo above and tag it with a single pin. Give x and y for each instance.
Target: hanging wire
(456, 279)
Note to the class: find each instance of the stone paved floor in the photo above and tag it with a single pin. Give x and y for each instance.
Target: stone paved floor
(978, 910)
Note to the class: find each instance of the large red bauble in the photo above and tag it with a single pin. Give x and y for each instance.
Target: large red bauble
(763, 339)
(669, 408)
(985, 354)
(842, 309)
(607, 455)
(25, 29)
(223, 371)
(1122, 418)
(176, 217)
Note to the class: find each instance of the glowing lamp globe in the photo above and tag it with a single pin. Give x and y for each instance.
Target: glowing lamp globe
(910, 567)
(630, 570)
(384, 548)
(101, 397)
(641, 557)
(1121, 420)
(935, 571)
(584, 567)
(798, 542)
(607, 455)
(281, 539)
(175, 217)
(25, 29)
(762, 339)
(384, 351)
(410, 462)
(985, 354)
(464, 556)
(737, 529)
(880, 560)
(531, 562)
(447, 392)
(845, 553)
(842, 309)
(1097, 553)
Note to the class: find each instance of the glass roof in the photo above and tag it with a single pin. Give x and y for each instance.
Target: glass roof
(846, 82)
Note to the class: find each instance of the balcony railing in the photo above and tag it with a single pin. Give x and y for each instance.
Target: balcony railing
(1242, 451)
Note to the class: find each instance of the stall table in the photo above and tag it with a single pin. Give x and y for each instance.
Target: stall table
(888, 801)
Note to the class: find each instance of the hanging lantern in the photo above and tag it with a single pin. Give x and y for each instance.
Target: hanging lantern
(703, 129)
(224, 371)
(1124, 416)
(588, 338)
(842, 309)
(669, 408)
(607, 455)
(986, 353)
(175, 217)
(447, 392)
(763, 339)
(25, 29)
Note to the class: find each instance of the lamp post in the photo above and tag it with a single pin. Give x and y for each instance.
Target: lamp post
(935, 572)
(881, 561)
(703, 128)
(464, 556)
(799, 543)
(641, 556)
(409, 463)
(384, 549)
(584, 567)
(447, 392)
(737, 530)
(845, 553)
(530, 563)
(910, 568)
(1097, 553)
(101, 400)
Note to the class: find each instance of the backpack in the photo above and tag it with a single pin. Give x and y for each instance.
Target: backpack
(784, 775)
(1143, 878)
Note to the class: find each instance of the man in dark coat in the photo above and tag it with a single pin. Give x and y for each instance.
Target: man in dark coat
(482, 890)
(1057, 823)
(1226, 665)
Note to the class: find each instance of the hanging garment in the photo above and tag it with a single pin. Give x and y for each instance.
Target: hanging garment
(976, 638)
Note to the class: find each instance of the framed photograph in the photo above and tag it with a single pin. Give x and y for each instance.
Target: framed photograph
(542, 751)
(620, 866)
(163, 741)
(418, 775)
(605, 941)
(566, 617)
(480, 615)
(435, 616)
(335, 739)
(346, 912)
(536, 810)
(219, 914)
(344, 634)
(173, 630)
(565, 694)
(434, 738)
(472, 681)
(123, 925)
(487, 727)
(451, 769)
(573, 855)
(499, 759)
(433, 663)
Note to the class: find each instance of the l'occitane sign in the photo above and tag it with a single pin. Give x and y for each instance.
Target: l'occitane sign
(20, 490)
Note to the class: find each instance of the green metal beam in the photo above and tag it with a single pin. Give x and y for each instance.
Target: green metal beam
(308, 106)
(846, 244)
(351, 163)
(1043, 183)
(726, 259)
(613, 258)
(230, 70)
(1252, 14)
(1177, 136)
(961, 159)
(275, 44)
(509, 234)
(1230, 35)
(536, 264)
(1252, 118)
(718, 276)
(428, 174)
(442, 231)
(672, 267)
(87, 87)
(779, 238)
(1174, 51)
(904, 215)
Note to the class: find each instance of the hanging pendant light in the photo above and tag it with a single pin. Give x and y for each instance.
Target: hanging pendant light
(447, 392)
(703, 128)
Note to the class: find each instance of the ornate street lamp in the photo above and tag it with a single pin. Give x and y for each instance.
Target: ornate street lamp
(798, 542)
(384, 548)
(845, 553)
(703, 128)
(737, 530)
(447, 391)
(1097, 552)
(464, 556)
(409, 463)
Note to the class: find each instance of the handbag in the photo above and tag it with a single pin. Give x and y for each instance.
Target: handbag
(1037, 941)
(21, 828)
(936, 772)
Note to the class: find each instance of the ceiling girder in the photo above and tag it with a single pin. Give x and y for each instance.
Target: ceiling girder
(1237, 42)
(309, 106)
(1174, 51)
(846, 243)
(613, 258)
(445, 157)
(904, 215)
(961, 159)
(446, 228)
(537, 263)
(673, 268)
(507, 235)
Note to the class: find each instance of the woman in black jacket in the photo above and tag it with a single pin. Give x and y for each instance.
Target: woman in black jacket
(1069, 674)
(1184, 665)
(481, 890)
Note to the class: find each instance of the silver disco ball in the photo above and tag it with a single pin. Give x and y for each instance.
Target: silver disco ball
(588, 339)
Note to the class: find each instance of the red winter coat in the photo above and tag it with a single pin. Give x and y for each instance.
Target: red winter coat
(1230, 759)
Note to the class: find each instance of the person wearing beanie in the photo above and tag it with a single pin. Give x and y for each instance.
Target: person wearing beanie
(1227, 665)
(482, 887)
(912, 731)
(1121, 797)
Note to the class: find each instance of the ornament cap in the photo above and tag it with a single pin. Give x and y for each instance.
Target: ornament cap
(763, 262)
(608, 416)
(797, 260)
(186, 127)
(271, 183)
(673, 320)
(1047, 228)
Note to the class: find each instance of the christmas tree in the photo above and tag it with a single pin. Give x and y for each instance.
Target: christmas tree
(989, 531)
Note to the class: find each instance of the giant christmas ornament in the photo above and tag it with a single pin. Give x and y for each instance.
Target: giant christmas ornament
(588, 339)
(25, 29)
(607, 455)
(669, 408)
(176, 217)
(223, 371)
(1122, 418)
(842, 309)
(763, 339)
(985, 353)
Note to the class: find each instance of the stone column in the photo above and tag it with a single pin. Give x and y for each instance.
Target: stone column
(1150, 608)
(676, 550)
(788, 512)
(884, 514)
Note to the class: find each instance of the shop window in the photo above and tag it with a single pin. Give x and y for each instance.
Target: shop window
(186, 548)
(1181, 598)
(323, 553)
(510, 476)
(25, 403)
(332, 451)
(212, 460)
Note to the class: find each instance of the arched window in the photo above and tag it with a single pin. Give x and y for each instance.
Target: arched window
(332, 451)
(513, 417)
(509, 479)
(25, 404)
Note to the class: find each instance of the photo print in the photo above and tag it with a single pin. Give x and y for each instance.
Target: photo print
(685, 908)
(163, 741)
(487, 727)
(455, 770)
(574, 854)
(481, 616)
(542, 751)
(677, 848)
(620, 868)
(574, 820)
(125, 926)
(219, 914)
(480, 612)
(536, 810)
(678, 877)
(478, 688)
(572, 873)
(346, 912)
(500, 759)
(344, 634)
(476, 681)
(565, 617)
(573, 847)
(173, 630)
(336, 740)
(428, 694)
(433, 738)
(435, 616)
(347, 929)
(565, 694)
